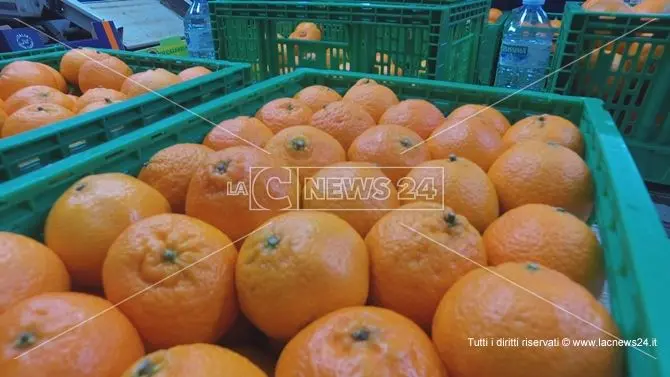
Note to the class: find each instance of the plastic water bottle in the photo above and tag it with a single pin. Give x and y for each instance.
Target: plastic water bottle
(526, 48)
(198, 31)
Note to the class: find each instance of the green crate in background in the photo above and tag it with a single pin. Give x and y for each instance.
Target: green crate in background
(24, 53)
(631, 234)
(636, 91)
(38, 148)
(489, 49)
(437, 41)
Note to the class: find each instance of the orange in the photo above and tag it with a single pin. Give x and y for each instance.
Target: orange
(545, 173)
(72, 61)
(494, 15)
(614, 6)
(289, 250)
(186, 306)
(3, 118)
(393, 148)
(193, 72)
(148, 81)
(61, 85)
(498, 304)
(28, 268)
(418, 115)
(194, 360)
(360, 341)
(472, 139)
(317, 96)
(74, 98)
(87, 218)
(49, 328)
(37, 94)
(239, 131)
(358, 192)
(652, 6)
(458, 183)
(551, 237)
(373, 97)
(307, 31)
(34, 116)
(489, 115)
(97, 95)
(546, 128)
(284, 112)
(304, 147)
(109, 73)
(343, 120)
(170, 170)
(416, 254)
(20, 74)
(238, 189)
(97, 105)
(260, 356)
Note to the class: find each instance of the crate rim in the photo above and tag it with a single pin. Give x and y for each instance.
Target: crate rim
(350, 4)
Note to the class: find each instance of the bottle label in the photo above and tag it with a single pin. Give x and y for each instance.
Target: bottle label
(536, 56)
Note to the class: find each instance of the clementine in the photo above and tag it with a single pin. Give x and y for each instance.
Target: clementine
(72, 61)
(49, 334)
(284, 112)
(84, 222)
(148, 81)
(494, 15)
(546, 173)
(546, 128)
(455, 182)
(416, 254)
(291, 249)
(343, 120)
(37, 94)
(489, 115)
(373, 97)
(193, 72)
(97, 95)
(20, 74)
(28, 268)
(393, 148)
(521, 301)
(418, 115)
(3, 118)
(61, 85)
(357, 192)
(34, 116)
(317, 96)
(239, 131)
(97, 105)
(110, 73)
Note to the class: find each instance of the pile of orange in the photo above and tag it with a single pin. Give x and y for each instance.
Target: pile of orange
(34, 95)
(249, 256)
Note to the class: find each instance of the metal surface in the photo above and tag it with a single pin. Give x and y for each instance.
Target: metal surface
(22, 8)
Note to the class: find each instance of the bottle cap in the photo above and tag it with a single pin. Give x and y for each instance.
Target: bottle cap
(533, 2)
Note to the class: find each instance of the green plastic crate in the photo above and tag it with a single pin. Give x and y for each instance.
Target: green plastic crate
(35, 149)
(417, 40)
(634, 241)
(636, 93)
(489, 49)
(24, 53)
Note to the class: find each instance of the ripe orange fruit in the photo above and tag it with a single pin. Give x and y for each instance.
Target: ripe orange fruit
(418, 115)
(652, 6)
(97, 95)
(20, 74)
(109, 342)
(458, 183)
(546, 128)
(170, 170)
(193, 360)
(3, 118)
(317, 96)
(494, 15)
(37, 94)
(358, 192)
(489, 115)
(28, 268)
(546, 173)
(416, 254)
(343, 120)
(188, 306)
(291, 249)
(373, 97)
(304, 147)
(61, 85)
(87, 218)
(239, 131)
(34, 116)
(613, 6)
(238, 189)
(472, 139)
(260, 355)
(473, 309)
(307, 31)
(393, 148)
(148, 81)
(110, 73)
(193, 72)
(284, 112)
(97, 105)
(551, 237)
(359, 341)
(72, 61)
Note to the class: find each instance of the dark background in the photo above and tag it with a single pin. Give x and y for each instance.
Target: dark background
(553, 6)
